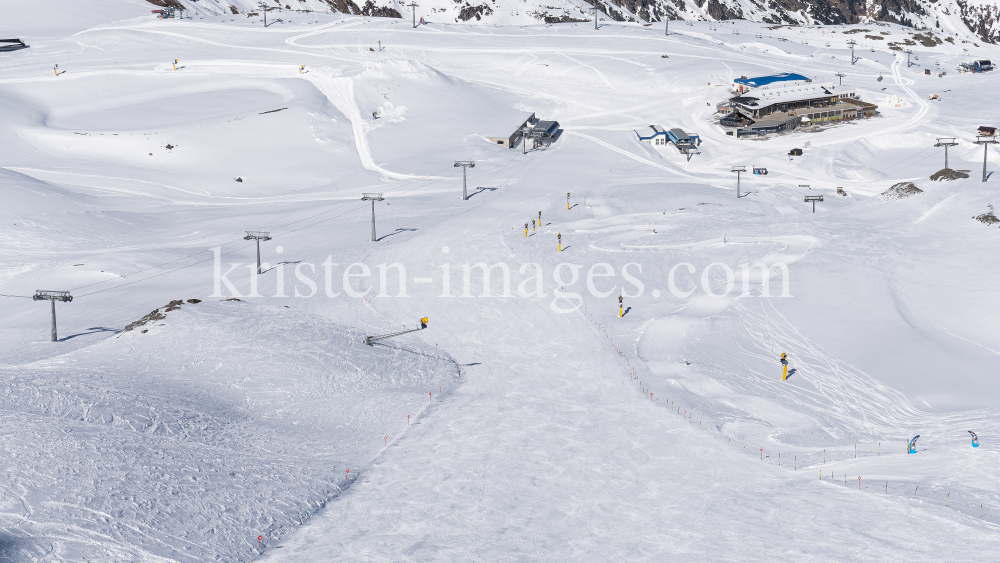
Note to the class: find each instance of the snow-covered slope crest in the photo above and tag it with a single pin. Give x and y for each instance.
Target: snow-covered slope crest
(980, 18)
(217, 421)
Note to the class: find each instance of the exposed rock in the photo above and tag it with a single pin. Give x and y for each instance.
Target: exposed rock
(168, 4)
(988, 218)
(901, 190)
(561, 19)
(371, 9)
(344, 6)
(982, 19)
(721, 11)
(948, 174)
(156, 315)
(468, 12)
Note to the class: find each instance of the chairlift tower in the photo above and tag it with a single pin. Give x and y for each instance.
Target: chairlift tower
(739, 170)
(263, 7)
(666, 30)
(258, 236)
(908, 53)
(53, 296)
(852, 43)
(595, 15)
(372, 198)
(465, 164)
(986, 141)
(841, 76)
(946, 142)
(813, 199)
(413, 6)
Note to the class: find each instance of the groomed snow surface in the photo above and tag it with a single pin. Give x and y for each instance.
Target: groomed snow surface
(531, 426)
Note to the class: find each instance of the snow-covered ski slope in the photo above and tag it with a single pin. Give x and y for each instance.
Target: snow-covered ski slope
(538, 430)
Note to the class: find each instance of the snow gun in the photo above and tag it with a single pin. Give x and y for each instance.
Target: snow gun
(370, 340)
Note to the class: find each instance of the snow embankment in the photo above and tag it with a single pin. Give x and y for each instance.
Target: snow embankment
(195, 432)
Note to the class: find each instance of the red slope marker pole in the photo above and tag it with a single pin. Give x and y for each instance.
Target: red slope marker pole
(859, 482)
(428, 397)
(762, 454)
(386, 438)
(407, 420)
(259, 538)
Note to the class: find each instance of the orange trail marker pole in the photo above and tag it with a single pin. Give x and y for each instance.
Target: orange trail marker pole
(428, 397)
(386, 438)
(407, 420)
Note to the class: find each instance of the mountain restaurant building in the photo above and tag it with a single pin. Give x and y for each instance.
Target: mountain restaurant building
(773, 110)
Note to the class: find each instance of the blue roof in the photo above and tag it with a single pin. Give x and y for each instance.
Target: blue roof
(765, 80)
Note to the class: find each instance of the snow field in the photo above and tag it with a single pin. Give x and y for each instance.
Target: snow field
(195, 452)
(237, 418)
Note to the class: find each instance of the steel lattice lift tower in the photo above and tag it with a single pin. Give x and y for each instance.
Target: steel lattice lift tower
(53, 296)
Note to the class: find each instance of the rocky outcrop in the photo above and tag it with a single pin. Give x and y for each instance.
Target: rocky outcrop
(167, 4)
(344, 6)
(469, 11)
(371, 9)
(983, 20)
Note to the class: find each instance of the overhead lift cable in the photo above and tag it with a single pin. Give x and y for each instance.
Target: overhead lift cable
(424, 182)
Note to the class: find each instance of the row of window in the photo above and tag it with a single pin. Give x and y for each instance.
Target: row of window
(824, 114)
